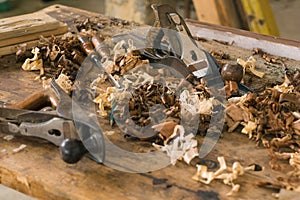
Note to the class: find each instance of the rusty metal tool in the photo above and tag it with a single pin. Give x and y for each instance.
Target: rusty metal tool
(44, 125)
(56, 126)
(183, 53)
(170, 25)
(94, 54)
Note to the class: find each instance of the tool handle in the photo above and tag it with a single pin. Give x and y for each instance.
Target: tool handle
(101, 47)
(72, 150)
(31, 102)
(36, 101)
(86, 45)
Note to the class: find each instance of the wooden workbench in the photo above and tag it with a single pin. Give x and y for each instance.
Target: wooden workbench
(39, 171)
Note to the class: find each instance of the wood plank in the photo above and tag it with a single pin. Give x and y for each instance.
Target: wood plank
(220, 12)
(8, 193)
(12, 49)
(38, 171)
(35, 36)
(28, 29)
(246, 40)
(26, 25)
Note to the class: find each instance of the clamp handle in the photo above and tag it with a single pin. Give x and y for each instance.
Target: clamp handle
(72, 150)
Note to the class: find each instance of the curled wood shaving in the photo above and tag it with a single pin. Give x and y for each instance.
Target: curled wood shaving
(137, 78)
(8, 137)
(104, 100)
(108, 133)
(181, 147)
(98, 81)
(20, 148)
(34, 63)
(296, 126)
(124, 58)
(296, 115)
(64, 82)
(166, 130)
(225, 173)
(249, 65)
(249, 127)
(54, 53)
(195, 104)
(295, 163)
(285, 87)
(291, 182)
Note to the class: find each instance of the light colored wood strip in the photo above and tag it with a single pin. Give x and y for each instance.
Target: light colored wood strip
(11, 41)
(220, 12)
(13, 48)
(26, 25)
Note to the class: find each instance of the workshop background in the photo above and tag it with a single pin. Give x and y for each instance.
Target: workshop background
(285, 12)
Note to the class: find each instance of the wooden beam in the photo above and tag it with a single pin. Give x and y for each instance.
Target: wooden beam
(28, 24)
(260, 17)
(35, 36)
(220, 12)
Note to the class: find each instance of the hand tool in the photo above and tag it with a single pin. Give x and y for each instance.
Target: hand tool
(56, 126)
(169, 24)
(184, 54)
(89, 49)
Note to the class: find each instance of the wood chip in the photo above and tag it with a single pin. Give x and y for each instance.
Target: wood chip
(8, 137)
(20, 148)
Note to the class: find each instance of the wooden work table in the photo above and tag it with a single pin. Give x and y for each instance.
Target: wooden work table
(39, 171)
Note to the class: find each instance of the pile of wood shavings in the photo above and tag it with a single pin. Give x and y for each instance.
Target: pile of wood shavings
(151, 102)
(64, 55)
(225, 173)
(55, 56)
(271, 118)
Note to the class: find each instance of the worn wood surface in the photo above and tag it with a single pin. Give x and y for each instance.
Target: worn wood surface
(28, 27)
(39, 171)
(219, 12)
(246, 40)
(61, 29)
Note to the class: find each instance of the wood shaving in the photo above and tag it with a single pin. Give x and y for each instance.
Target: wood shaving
(3, 151)
(104, 100)
(289, 183)
(8, 137)
(249, 65)
(124, 58)
(249, 127)
(98, 81)
(181, 147)
(64, 82)
(108, 133)
(20, 148)
(227, 174)
(166, 130)
(195, 104)
(34, 63)
(295, 163)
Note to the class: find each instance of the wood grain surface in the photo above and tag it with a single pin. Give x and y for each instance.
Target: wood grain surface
(39, 171)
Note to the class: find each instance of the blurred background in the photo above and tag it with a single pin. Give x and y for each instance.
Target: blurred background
(280, 17)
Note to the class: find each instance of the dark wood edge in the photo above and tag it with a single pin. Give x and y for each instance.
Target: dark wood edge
(244, 33)
(246, 39)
